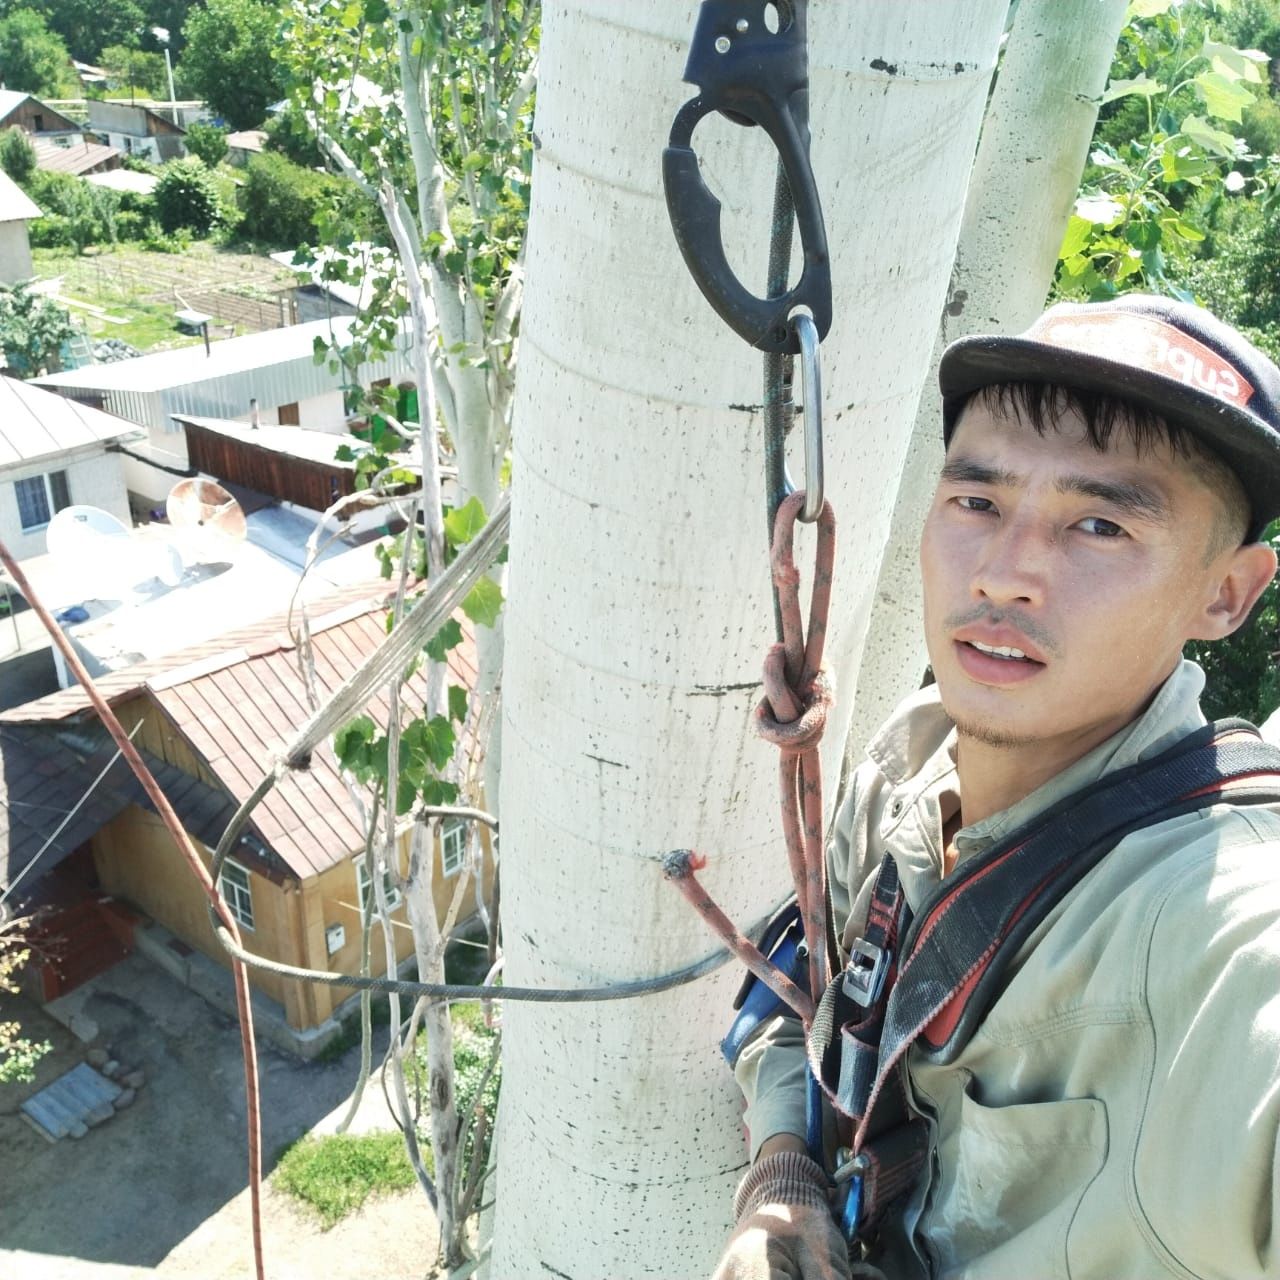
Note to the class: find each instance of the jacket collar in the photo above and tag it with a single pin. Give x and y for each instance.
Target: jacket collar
(918, 743)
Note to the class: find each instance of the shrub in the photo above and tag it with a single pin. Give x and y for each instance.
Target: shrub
(336, 1173)
(207, 141)
(77, 213)
(280, 200)
(17, 155)
(186, 197)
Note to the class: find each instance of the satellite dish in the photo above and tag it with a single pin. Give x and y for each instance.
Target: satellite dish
(106, 559)
(206, 513)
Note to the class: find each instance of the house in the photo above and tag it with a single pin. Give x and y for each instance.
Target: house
(53, 453)
(16, 210)
(137, 130)
(22, 111)
(271, 377)
(243, 146)
(210, 721)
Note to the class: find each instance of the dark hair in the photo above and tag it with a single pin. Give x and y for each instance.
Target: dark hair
(1042, 405)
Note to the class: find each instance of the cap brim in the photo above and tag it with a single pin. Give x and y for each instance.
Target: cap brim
(1245, 444)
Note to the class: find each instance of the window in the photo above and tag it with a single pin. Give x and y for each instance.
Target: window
(39, 497)
(363, 885)
(453, 847)
(38, 121)
(233, 884)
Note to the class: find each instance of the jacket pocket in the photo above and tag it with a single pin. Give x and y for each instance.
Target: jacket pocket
(1009, 1184)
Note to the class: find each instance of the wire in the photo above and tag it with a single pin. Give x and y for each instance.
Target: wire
(71, 813)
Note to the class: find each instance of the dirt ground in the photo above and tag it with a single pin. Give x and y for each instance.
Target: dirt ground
(161, 1189)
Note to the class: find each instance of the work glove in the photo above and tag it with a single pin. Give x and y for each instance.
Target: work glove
(785, 1227)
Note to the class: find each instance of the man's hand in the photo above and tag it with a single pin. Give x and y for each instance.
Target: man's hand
(785, 1229)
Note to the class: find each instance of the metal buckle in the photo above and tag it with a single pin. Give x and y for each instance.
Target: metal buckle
(848, 1177)
(865, 974)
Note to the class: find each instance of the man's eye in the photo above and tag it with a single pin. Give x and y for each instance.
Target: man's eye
(1101, 528)
(969, 503)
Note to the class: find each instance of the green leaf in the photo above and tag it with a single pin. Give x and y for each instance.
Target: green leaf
(1143, 235)
(438, 740)
(1143, 86)
(464, 522)
(1079, 233)
(1224, 98)
(406, 793)
(1185, 230)
(1203, 134)
(458, 699)
(1236, 64)
(483, 602)
(438, 791)
(1101, 210)
(1184, 166)
(351, 741)
(1146, 9)
(448, 637)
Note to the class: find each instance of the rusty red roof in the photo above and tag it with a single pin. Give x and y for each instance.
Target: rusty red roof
(240, 700)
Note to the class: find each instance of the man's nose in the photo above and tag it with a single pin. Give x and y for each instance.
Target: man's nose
(1011, 569)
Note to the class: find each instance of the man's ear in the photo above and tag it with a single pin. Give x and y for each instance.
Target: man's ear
(1243, 579)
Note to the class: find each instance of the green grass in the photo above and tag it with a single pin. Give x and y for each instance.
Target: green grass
(337, 1173)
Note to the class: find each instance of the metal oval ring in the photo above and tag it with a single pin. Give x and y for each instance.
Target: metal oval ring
(811, 390)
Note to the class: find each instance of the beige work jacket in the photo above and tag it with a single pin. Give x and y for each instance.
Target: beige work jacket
(1117, 1113)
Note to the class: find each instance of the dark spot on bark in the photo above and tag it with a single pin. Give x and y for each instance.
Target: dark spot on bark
(889, 68)
(955, 306)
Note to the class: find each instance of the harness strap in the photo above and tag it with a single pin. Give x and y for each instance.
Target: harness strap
(956, 951)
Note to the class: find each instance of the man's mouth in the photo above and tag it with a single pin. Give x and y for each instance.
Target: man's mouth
(1007, 652)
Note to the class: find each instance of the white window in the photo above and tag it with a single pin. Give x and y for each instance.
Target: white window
(453, 847)
(233, 884)
(364, 884)
(39, 497)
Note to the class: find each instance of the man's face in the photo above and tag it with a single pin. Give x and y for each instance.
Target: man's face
(1091, 565)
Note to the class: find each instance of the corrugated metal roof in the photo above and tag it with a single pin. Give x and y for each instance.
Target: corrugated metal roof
(238, 702)
(37, 424)
(274, 367)
(81, 157)
(15, 204)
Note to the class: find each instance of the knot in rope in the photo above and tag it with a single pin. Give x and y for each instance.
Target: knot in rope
(792, 719)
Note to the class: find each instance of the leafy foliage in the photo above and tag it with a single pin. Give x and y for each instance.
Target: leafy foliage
(207, 141)
(76, 213)
(1185, 93)
(187, 197)
(87, 27)
(134, 70)
(34, 59)
(231, 59)
(17, 155)
(282, 203)
(18, 1054)
(32, 329)
(289, 133)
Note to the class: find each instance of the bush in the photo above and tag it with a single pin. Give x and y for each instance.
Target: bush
(77, 213)
(207, 141)
(280, 200)
(17, 155)
(289, 134)
(187, 198)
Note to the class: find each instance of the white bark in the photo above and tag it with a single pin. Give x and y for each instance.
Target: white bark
(1034, 140)
(639, 608)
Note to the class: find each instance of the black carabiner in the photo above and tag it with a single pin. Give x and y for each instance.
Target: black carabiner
(755, 77)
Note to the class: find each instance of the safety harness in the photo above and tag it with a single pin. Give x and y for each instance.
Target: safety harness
(925, 980)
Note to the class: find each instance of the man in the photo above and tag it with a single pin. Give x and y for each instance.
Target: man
(1116, 1113)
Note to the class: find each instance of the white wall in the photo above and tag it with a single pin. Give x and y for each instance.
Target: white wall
(15, 252)
(323, 413)
(96, 480)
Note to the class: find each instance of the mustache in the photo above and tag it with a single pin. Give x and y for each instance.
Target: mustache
(1029, 627)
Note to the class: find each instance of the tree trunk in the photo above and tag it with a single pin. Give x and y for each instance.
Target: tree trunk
(1034, 140)
(639, 608)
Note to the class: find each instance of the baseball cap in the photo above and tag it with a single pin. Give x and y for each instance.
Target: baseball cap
(1170, 357)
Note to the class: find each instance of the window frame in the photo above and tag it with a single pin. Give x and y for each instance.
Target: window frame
(453, 826)
(364, 885)
(231, 890)
(52, 501)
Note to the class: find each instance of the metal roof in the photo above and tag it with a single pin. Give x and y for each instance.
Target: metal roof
(81, 157)
(10, 101)
(15, 204)
(274, 367)
(238, 701)
(36, 424)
